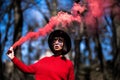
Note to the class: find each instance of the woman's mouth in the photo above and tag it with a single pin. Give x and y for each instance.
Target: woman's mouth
(56, 46)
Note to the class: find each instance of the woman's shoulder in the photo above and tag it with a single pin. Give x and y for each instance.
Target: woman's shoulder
(42, 59)
(68, 60)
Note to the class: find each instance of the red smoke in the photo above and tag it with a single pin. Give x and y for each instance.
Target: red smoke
(62, 17)
(79, 12)
(78, 9)
(96, 7)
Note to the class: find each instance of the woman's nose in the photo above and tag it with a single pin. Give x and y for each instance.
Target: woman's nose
(56, 42)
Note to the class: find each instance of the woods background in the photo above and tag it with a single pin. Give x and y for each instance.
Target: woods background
(95, 43)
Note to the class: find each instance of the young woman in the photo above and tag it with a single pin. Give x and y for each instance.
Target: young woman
(55, 67)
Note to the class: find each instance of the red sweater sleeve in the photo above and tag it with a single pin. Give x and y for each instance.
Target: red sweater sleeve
(23, 67)
(71, 73)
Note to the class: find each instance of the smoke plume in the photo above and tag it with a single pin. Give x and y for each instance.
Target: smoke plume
(86, 11)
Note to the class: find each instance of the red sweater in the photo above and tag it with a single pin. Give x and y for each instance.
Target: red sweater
(48, 68)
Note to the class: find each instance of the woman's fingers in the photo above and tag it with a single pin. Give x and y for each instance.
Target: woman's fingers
(10, 53)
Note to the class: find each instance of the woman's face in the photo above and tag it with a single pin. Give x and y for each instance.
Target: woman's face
(58, 43)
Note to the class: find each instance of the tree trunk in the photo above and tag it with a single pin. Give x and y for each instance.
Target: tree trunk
(77, 58)
(18, 23)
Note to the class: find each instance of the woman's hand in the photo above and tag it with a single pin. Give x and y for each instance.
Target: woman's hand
(10, 53)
